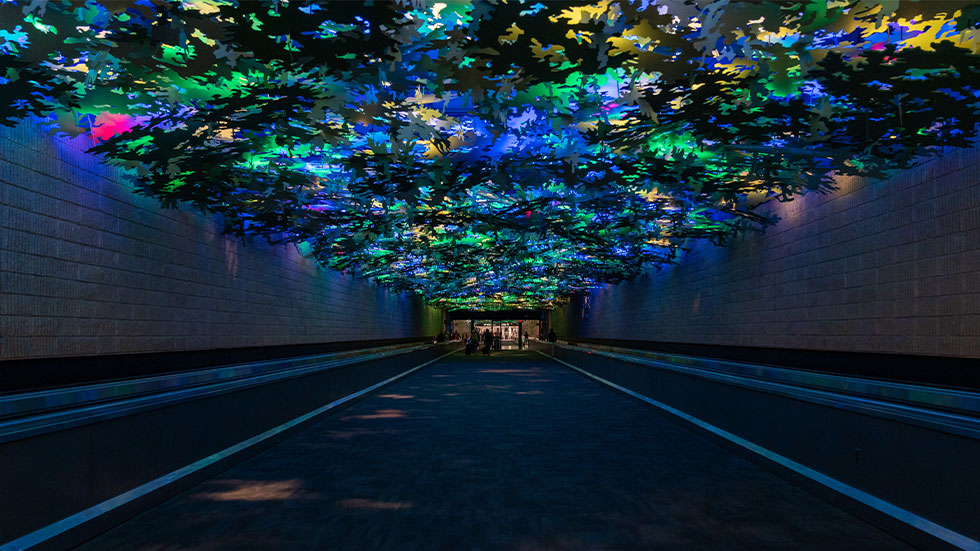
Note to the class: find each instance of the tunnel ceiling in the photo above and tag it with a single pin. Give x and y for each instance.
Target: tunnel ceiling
(494, 154)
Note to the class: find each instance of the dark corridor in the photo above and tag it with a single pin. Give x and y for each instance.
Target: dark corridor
(508, 452)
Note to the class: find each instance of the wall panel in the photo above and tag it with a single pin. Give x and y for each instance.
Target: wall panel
(87, 267)
(887, 266)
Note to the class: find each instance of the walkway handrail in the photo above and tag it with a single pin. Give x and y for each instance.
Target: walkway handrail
(950, 410)
(30, 413)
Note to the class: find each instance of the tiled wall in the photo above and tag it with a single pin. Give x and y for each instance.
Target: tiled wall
(880, 266)
(88, 267)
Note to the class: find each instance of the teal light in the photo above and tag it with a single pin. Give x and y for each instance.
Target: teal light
(494, 155)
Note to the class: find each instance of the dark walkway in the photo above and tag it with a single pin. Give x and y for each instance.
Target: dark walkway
(510, 452)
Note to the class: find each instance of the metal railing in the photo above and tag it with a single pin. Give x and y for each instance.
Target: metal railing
(948, 409)
(36, 412)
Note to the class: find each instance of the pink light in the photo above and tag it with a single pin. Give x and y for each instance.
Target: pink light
(107, 125)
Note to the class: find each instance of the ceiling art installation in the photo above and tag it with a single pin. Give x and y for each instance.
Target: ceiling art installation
(494, 154)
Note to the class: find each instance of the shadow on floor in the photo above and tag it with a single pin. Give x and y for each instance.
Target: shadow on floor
(507, 452)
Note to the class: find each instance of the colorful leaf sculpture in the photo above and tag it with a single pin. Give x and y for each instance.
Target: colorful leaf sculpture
(495, 153)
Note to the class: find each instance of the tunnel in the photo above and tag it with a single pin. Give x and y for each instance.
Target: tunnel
(489, 275)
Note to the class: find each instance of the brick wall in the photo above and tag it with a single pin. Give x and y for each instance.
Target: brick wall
(880, 266)
(88, 267)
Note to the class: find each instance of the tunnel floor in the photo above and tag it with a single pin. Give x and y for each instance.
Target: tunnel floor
(508, 452)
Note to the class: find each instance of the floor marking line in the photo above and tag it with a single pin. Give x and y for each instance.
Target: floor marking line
(62, 526)
(907, 517)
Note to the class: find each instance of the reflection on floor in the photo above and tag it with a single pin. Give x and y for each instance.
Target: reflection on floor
(507, 452)
(509, 345)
